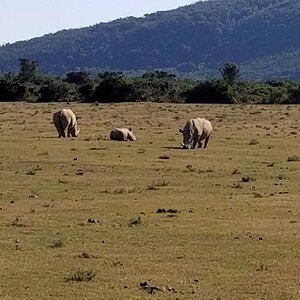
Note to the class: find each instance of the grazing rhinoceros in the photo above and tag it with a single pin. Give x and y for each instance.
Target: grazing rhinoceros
(122, 134)
(65, 122)
(195, 131)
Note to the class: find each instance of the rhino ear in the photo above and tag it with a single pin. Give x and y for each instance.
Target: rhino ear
(130, 129)
(181, 130)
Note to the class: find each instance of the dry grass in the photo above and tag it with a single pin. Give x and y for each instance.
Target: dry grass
(235, 233)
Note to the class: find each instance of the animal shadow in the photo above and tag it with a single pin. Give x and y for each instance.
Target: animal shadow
(173, 147)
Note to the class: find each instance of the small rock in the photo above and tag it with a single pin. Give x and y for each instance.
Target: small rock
(84, 255)
(161, 210)
(164, 157)
(92, 221)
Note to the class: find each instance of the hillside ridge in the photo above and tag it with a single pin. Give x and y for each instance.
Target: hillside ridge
(193, 40)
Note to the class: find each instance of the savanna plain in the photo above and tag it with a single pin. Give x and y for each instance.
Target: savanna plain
(90, 218)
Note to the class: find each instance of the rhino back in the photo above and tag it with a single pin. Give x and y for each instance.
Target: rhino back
(56, 117)
(118, 134)
(69, 116)
(205, 127)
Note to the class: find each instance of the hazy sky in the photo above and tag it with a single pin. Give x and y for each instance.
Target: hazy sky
(25, 19)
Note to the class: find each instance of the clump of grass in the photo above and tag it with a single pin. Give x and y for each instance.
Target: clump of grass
(62, 181)
(235, 171)
(293, 158)
(57, 243)
(254, 142)
(43, 153)
(31, 172)
(141, 150)
(280, 177)
(156, 184)
(84, 255)
(209, 170)
(152, 187)
(135, 221)
(189, 168)
(81, 275)
(120, 190)
(247, 178)
(237, 186)
(257, 195)
(97, 148)
(161, 182)
(16, 223)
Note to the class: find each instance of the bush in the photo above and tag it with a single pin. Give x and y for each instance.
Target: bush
(209, 91)
(113, 88)
(81, 275)
(54, 91)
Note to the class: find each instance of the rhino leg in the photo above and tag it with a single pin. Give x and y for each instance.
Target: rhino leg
(206, 142)
(64, 126)
(60, 130)
(199, 144)
(196, 141)
(62, 134)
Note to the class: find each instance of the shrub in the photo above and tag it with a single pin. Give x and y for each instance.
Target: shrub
(81, 275)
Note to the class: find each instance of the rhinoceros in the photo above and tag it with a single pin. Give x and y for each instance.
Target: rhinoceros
(195, 131)
(65, 122)
(122, 134)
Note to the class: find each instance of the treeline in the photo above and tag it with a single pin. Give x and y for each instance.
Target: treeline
(157, 86)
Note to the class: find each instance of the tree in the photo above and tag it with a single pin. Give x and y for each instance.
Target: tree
(113, 88)
(86, 92)
(209, 91)
(230, 73)
(10, 88)
(294, 97)
(54, 91)
(28, 70)
(78, 78)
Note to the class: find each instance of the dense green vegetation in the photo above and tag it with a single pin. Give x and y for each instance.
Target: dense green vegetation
(261, 37)
(159, 86)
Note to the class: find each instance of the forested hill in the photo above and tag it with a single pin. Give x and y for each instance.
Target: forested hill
(260, 36)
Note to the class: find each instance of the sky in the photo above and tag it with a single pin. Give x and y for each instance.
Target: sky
(26, 19)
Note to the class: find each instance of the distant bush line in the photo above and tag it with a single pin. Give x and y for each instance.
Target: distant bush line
(156, 86)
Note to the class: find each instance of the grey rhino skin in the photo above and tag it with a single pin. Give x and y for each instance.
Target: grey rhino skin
(65, 122)
(194, 132)
(122, 134)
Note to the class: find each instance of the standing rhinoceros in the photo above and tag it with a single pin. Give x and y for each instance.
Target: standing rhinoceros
(65, 122)
(195, 131)
(122, 134)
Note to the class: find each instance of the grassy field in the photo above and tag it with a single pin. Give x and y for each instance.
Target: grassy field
(90, 218)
